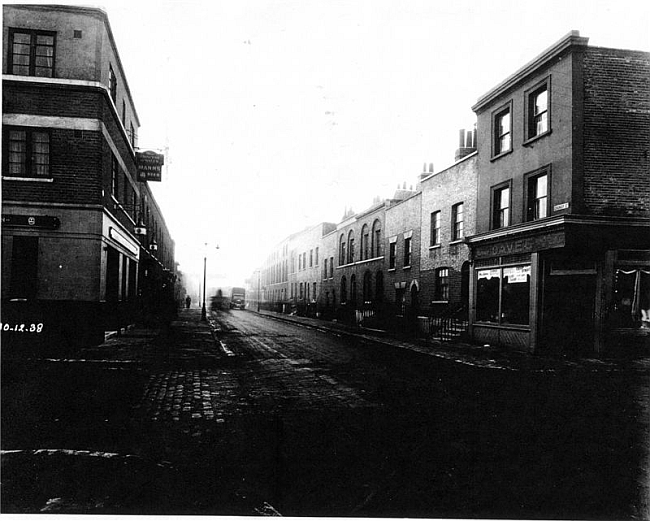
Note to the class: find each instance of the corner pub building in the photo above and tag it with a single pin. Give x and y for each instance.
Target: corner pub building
(561, 256)
(84, 246)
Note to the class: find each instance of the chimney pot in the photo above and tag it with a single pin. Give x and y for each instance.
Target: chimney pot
(461, 138)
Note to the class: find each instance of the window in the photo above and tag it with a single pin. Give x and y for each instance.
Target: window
(631, 297)
(435, 228)
(367, 286)
(442, 284)
(316, 260)
(537, 110)
(325, 269)
(31, 53)
(115, 176)
(501, 207)
(502, 132)
(112, 83)
(342, 251)
(376, 239)
(537, 197)
(331, 267)
(27, 153)
(350, 247)
(299, 262)
(407, 252)
(304, 260)
(365, 240)
(392, 249)
(311, 258)
(314, 294)
(124, 112)
(457, 222)
(503, 295)
(132, 135)
(353, 289)
(344, 290)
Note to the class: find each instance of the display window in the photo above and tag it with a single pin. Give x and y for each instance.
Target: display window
(503, 295)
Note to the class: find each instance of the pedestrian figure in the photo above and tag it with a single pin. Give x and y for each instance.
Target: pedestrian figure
(188, 301)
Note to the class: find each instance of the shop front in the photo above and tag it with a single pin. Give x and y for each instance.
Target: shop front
(564, 286)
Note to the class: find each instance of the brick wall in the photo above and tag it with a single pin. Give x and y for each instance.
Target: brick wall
(617, 132)
(457, 183)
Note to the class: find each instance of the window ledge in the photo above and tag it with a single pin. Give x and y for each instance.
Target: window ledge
(436, 247)
(407, 267)
(457, 241)
(391, 269)
(29, 179)
(500, 155)
(531, 140)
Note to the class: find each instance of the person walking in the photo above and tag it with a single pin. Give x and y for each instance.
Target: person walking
(188, 301)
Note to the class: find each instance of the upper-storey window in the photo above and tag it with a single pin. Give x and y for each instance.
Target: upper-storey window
(537, 110)
(31, 53)
(457, 222)
(435, 228)
(502, 131)
(27, 153)
(537, 200)
(501, 206)
(112, 83)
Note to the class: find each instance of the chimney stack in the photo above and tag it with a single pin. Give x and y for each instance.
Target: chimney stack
(467, 142)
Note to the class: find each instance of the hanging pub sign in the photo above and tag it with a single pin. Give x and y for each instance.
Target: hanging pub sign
(150, 165)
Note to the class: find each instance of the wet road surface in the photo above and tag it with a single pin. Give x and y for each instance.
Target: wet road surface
(312, 423)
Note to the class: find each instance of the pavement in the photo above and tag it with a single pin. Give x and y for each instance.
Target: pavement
(196, 340)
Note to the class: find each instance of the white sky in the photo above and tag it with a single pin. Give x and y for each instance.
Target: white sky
(280, 114)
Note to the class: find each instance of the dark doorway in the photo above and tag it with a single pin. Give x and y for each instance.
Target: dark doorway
(24, 268)
(568, 313)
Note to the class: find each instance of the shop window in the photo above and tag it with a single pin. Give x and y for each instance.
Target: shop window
(503, 295)
(631, 307)
(31, 53)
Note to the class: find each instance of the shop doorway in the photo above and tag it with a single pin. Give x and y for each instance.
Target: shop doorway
(568, 317)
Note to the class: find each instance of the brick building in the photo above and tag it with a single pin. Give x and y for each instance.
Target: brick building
(85, 247)
(448, 217)
(402, 258)
(561, 254)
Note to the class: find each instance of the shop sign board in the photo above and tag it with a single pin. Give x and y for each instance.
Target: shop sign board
(43, 222)
(150, 165)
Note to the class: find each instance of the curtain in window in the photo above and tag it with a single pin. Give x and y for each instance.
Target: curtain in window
(632, 295)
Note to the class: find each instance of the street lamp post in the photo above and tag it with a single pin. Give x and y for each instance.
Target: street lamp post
(204, 315)
(203, 312)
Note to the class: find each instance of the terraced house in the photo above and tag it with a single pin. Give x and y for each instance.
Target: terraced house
(85, 247)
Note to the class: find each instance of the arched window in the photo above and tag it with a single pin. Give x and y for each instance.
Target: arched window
(376, 238)
(351, 247)
(379, 286)
(367, 286)
(364, 253)
(342, 251)
(344, 290)
(353, 289)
